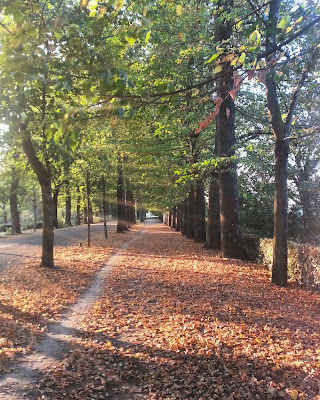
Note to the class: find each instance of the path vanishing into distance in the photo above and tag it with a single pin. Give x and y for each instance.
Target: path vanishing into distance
(14, 249)
(165, 319)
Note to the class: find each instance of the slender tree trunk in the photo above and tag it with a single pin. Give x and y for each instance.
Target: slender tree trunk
(89, 208)
(90, 214)
(281, 132)
(15, 215)
(280, 234)
(56, 191)
(85, 215)
(190, 214)
(199, 213)
(78, 214)
(213, 236)
(170, 217)
(5, 218)
(44, 176)
(68, 205)
(179, 217)
(104, 207)
(184, 225)
(174, 217)
(121, 211)
(34, 214)
(231, 235)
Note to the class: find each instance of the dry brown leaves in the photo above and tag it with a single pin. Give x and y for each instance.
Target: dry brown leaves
(32, 296)
(178, 322)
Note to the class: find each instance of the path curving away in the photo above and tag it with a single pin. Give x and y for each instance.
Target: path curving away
(25, 374)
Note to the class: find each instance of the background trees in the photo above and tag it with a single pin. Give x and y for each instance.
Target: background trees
(132, 90)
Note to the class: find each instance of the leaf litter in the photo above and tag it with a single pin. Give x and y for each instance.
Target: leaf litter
(179, 322)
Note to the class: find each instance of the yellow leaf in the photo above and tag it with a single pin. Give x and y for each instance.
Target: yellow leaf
(293, 393)
(218, 69)
(179, 10)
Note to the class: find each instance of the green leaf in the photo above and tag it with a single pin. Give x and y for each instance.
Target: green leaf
(58, 35)
(216, 55)
(255, 37)
(148, 36)
(242, 58)
(18, 16)
(93, 4)
(285, 22)
(130, 40)
(23, 117)
(73, 144)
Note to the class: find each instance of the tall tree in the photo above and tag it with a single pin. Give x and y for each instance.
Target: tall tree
(231, 235)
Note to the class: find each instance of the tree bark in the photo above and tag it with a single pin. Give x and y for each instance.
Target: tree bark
(15, 215)
(231, 235)
(184, 224)
(190, 214)
(78, 213)
(199, 213)
(213, 236)
(281, 132)
(104, 207)
(44, 177)
(85, 215)
(56, 191)
(68, 205)
(121, 210)
(89, 208)
(179, 218)
(174, 217)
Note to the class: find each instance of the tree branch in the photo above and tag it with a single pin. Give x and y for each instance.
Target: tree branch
(294, 100)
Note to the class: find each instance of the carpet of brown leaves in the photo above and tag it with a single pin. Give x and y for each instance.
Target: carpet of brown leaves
(32, 296)
(178, 322)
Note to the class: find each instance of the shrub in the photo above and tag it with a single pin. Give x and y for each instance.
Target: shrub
(303, 260)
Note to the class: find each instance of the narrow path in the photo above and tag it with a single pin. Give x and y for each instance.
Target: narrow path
(25, 374)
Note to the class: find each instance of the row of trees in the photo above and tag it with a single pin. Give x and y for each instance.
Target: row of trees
(128, 93)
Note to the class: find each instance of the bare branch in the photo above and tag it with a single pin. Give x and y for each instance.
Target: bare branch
(5, 28)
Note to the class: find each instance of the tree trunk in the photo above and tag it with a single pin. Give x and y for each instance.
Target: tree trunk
(281, 132)
(68, 205)
(190, 214)
(34, 214)
(90, 214)
(121, 210)
(104, 207)
(179, 217)
(170, 217)
(78, 214)
(56, 191)
(89, 208)
(213, 236)
(85, 215)
(280, 234)
(199, 213)
(44, 177)
(174, 217)
(231, 235)
(15, 215)
(184, 224)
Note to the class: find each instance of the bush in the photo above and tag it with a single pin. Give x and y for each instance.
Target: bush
(303, 260)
